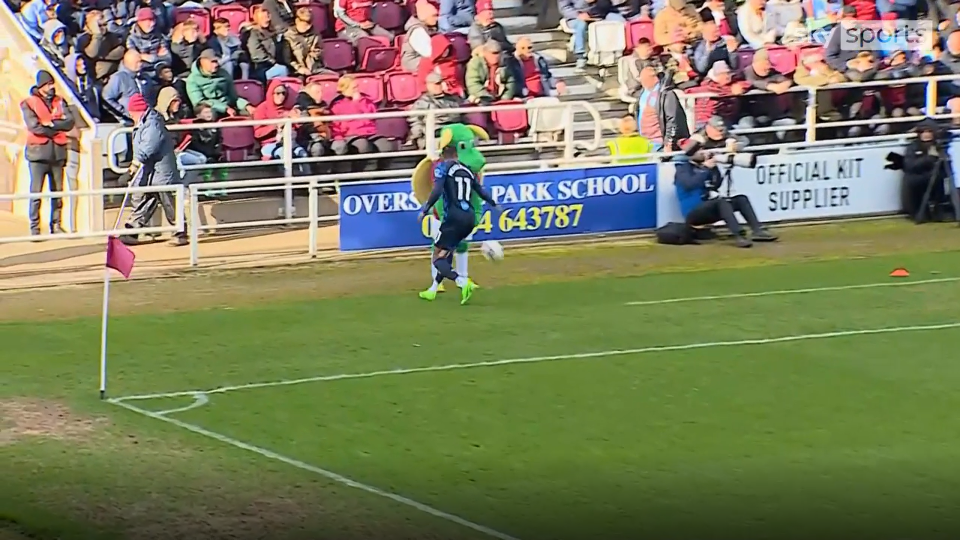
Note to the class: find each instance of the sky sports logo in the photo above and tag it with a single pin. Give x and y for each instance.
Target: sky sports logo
(888, 36)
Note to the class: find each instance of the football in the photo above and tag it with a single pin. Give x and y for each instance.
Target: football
(492, 250)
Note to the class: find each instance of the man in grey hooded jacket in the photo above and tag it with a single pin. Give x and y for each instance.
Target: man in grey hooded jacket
(154, 164)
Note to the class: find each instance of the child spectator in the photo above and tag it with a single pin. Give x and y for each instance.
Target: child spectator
(537, 79)
(146, 39)
(676, 16)
(54, 42)
(436, 97)
(207, 142)
(456, 15)
(104, 48)
(35, 14)
(282, 14)
(713, 48)
(85, 87)
(262, 44)
(229, 49)
(358, 136)
(443, 63)
(166, 78)
(270, 137)
(353, 20)
(186, 44)
(304, 44)
(314, 137)
(752, 21)
(419, 31)
(487, 80)
(209, 84)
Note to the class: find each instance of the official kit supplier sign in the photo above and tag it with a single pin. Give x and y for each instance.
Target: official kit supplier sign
(822, 184)
(534, 205)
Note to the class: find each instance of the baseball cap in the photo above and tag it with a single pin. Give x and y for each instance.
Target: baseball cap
(208, 54)
(137, 104)
(434, 78)
(484, 5)
(716, 122)
(145, 14)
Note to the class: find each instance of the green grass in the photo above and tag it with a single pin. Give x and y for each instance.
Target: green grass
(844, 437)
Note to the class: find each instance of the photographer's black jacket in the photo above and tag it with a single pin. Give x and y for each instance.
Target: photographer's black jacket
(918, 164)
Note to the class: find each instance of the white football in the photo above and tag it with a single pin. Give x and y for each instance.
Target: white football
(492, 250)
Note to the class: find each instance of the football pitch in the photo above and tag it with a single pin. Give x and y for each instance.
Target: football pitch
(810, 400)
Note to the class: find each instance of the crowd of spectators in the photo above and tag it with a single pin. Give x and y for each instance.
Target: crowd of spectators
(220, 59)
(750, 57)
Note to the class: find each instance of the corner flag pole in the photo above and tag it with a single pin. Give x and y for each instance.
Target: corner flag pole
(106, 289)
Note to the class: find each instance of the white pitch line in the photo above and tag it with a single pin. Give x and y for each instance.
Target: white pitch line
(199, 400)
(793, 291)
(554, 358)
(317, 470)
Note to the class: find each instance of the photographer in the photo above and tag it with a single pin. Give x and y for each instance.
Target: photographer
(925, 166)
(698, 180)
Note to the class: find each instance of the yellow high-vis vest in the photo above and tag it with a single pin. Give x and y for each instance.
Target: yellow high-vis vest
(625, 146)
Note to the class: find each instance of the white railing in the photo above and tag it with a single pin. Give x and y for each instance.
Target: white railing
(811, 122)
(178, 191)
(567, 109)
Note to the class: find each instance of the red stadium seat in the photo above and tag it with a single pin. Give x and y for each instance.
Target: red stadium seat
(376, 59)
(461, 47)
(744, 59)
(402, 89)
(636, 30)
(328, 86)
(782, 59)
(807, 51)
(399, 41)
(321, 18)
(237, 15)
(389, 15)
(238, 142)
(393, 128)
(371, 86)
(368, 42)
(338, 55)
(200, 15)
(250, 90)
(510, 124)
(185, 136)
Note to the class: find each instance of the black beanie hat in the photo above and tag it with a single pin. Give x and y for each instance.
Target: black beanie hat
(44, 78)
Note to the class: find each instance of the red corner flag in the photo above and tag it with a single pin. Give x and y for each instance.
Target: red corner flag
(120, 257)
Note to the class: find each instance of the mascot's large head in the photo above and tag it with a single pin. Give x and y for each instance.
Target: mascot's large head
(463, 137)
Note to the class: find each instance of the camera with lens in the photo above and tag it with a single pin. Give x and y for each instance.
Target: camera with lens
(732, 157)
(738, 159)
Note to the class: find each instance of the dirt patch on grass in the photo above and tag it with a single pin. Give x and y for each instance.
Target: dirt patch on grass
(22, 418)
(195, 290)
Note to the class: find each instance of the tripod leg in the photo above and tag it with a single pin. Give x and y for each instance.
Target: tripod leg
(951, 188)
(923, 210)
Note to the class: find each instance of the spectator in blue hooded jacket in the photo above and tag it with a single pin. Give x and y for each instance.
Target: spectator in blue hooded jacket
(54, 42)
(126, 82)
(85, 87)
(578, 14)
(456, 15)
(34, 14)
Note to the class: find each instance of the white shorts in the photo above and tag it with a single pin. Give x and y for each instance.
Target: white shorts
(435, 230)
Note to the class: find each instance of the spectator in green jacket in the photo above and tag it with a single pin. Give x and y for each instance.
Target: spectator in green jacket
(207, 83)
(487, 79)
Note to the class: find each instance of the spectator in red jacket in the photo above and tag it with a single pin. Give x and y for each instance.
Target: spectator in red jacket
(359, 135)
(270, 137)
(443, 63)
(353, 20)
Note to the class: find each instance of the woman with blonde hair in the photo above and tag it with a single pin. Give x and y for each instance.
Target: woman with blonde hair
(359, 135)
(186, 44)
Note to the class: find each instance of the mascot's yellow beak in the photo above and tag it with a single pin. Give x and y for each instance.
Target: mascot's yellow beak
(479, 132)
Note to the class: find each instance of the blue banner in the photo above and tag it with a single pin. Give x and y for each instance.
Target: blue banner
(535, 205)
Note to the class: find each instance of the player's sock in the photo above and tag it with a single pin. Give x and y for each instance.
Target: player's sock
(460, 260)
(461, 281)
(435, 284)
(445, 269)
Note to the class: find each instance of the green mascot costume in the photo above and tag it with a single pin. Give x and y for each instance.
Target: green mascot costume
(464, 137)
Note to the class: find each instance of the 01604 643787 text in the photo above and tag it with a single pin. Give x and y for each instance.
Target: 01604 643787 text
(526, 218)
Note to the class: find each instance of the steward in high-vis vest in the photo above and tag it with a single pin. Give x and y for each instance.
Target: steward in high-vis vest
(630, 143)
(48, 121)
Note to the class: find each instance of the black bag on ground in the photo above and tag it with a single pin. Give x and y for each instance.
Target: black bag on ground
(676, 234)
